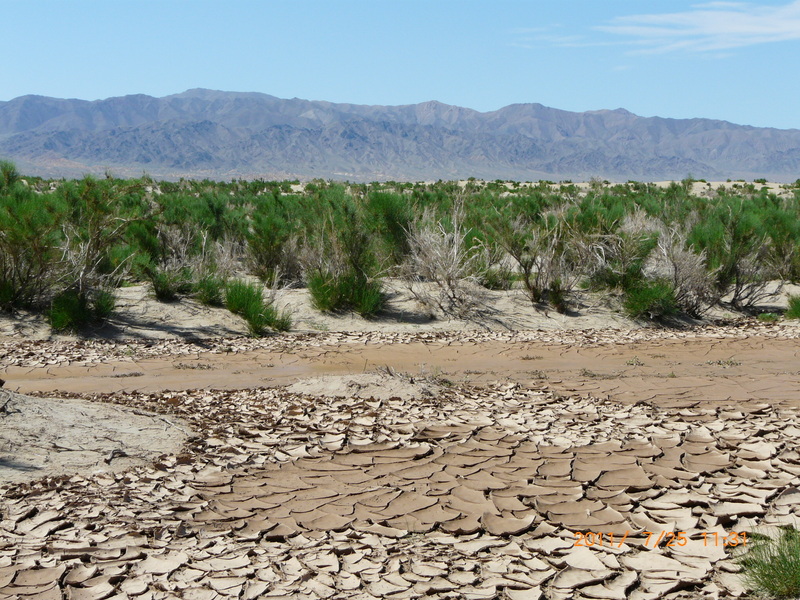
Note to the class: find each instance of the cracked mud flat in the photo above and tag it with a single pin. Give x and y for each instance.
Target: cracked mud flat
(436, 488)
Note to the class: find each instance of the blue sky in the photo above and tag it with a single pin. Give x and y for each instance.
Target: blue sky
(737, 61)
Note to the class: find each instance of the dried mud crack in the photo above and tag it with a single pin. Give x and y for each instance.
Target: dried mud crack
(425, 491)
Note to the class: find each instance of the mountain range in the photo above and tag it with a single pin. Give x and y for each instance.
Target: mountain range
(223, 135)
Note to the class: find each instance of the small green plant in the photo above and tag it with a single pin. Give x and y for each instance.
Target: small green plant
(209, 290)
(498, 279)
(247, 300)
(367, 298)
(348, 292)
(771, 566)
(793, 312)
(650, 299)
(326, 295)
(242, 297)
(169, 285)
(69, 311)
(103, 304)
(724, 363)
(768, 317)
(557, 296)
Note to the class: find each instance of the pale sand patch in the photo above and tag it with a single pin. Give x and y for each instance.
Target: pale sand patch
(382, 386)
(45, 437)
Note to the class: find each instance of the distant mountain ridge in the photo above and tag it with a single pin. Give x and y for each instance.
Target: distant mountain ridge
(206, 133)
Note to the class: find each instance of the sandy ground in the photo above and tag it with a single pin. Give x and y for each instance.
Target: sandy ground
(399, 458)
(43, 437)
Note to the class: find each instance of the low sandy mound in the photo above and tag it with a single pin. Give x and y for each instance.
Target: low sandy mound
(381, 386)
(46, 437)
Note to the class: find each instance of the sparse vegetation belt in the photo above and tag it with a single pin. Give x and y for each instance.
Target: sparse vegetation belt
(657, 251)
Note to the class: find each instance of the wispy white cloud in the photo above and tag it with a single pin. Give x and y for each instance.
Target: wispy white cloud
(549, 35)
(709, 27)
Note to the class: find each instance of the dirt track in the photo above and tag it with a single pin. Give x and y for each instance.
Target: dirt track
(665, 368)
(444, 486)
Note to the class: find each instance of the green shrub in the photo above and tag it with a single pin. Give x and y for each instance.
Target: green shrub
(500, 279)
(771, 567)
(31, 233)
(242, 297)
(103, 304)
(557, 296)
(209, 290)
(326, 294)
(8, 175)
(793, 312)
(6, 294)
(69, 311)
(247, 300)
(650, 300)
(168, 285)
(346, 292)
(281, 321)
(390, 215)
(367, 298)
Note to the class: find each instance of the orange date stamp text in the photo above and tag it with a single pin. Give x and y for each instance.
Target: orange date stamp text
(668, 539)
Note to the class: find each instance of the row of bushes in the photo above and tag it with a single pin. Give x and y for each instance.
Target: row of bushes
(660, 250)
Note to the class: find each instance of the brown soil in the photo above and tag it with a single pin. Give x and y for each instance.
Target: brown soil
(661, 367)
(450, 464)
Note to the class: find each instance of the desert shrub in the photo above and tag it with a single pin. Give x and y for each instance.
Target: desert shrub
(98, 213)
(8, 175)
(247, 300)
(209, 290)
(340, 264)
(441, 255)
(687, 271)
(368, 298)
(768, 317)
(72, 310)
(390, 215)
(69, 311)
(272, 240)
(782, 223)
(771, 566)
(347, 292)
(499, 278)
(220, 215)
(326, 295)
(557, 296)
(733, 236)
(170, 284)
(183, 258)
(617, 259)
(30, 236)
(650, 299)
(793, 312)
(535, 242)
(242, 297)
(103, 304)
